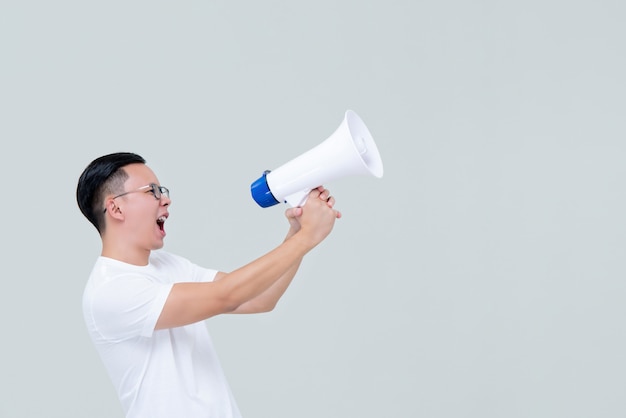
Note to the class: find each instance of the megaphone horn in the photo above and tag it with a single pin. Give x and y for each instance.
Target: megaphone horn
(350, 150)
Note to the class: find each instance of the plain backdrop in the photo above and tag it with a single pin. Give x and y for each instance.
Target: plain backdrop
(482, 276)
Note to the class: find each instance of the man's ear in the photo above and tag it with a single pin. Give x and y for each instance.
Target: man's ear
(113, 210)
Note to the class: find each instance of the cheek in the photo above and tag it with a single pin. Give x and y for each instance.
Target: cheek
(140, 220)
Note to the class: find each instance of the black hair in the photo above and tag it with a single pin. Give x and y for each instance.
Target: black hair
(102, 176)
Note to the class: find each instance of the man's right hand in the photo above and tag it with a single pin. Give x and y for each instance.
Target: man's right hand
(317, 217)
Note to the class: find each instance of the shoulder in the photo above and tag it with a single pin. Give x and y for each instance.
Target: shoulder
(105, 269)
(180, 268)
(162, 258)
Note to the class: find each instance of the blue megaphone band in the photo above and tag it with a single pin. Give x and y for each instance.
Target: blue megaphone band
(261, 192)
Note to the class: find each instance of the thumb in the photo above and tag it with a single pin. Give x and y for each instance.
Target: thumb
(293, 212)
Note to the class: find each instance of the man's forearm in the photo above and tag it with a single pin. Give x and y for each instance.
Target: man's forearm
(267, 300)
(257, 277)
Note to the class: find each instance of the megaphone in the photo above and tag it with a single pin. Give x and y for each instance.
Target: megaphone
(350, 150)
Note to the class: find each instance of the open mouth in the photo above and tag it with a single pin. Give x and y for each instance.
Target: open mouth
(161, 222)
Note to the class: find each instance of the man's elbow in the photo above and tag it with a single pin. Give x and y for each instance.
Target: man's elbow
(254, 307)
(267, 307)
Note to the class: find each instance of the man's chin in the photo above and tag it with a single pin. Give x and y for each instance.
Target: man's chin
(158, 246)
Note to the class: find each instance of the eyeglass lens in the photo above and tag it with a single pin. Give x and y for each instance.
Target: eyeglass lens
(157, 191)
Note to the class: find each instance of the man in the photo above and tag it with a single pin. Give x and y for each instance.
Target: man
(143, 306)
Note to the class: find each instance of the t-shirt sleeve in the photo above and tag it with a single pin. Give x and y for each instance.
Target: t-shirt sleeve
(201, 274)
(128, 306)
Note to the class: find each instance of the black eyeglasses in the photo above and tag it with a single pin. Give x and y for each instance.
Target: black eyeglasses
(156, 190)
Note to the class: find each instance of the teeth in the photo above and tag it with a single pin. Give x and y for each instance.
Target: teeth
(161, 219)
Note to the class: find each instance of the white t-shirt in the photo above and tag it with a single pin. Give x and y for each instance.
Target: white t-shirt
(166, 373)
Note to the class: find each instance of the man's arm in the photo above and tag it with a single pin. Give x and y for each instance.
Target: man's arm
(267, 300)
(265, 278)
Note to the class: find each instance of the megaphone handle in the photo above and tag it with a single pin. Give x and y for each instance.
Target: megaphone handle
(298, 198)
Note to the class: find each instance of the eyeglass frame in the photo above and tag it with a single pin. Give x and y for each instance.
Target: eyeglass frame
(156, 190)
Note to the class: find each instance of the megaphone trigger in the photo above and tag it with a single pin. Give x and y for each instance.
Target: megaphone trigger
(297, 199)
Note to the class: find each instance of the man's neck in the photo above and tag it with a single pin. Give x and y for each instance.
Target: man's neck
(138, 257)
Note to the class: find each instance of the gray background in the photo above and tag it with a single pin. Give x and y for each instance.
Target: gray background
(482, 276)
